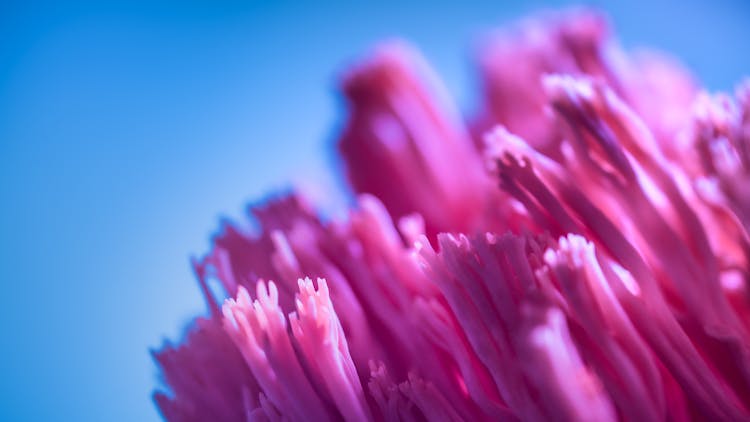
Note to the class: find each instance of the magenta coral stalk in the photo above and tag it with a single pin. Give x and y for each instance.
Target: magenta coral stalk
(579, 251)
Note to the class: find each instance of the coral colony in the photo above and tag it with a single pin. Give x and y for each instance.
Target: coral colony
(577, 251)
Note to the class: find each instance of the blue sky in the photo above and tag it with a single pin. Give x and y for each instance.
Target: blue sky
(128, 129)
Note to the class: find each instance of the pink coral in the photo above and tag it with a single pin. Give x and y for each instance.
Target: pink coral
(579, 251)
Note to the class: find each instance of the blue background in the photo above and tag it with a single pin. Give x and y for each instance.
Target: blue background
(128, 129)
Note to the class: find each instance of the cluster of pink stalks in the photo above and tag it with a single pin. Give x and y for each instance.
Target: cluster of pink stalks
(577, 251)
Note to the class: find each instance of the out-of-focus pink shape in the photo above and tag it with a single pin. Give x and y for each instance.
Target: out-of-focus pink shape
(405, 144)
(512, 62)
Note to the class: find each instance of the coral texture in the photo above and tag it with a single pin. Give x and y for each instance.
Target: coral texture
(576, 251)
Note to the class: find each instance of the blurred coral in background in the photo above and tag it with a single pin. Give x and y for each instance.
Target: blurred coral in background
(576, 251)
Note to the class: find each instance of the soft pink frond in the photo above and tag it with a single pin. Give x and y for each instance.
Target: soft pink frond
(321, 339)
(206, 377)
(259, 329)
(659, 258)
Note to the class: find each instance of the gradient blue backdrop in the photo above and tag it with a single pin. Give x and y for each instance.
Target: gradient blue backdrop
(128, 128)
